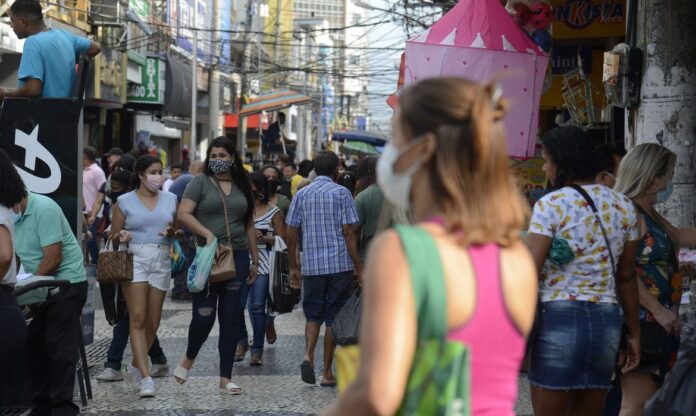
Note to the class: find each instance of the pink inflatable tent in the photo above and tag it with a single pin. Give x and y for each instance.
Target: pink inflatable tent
(478, 40)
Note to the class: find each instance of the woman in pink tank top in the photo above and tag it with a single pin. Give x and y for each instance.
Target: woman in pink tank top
(447, 163)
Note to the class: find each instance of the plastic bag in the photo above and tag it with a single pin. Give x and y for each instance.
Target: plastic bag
(283, 298)
(199, 271)
(178, 257)
(346, 326)
(676, 397)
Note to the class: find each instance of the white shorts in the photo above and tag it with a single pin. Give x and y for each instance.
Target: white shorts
(151, 264)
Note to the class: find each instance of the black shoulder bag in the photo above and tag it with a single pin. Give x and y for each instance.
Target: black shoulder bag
(652, 334)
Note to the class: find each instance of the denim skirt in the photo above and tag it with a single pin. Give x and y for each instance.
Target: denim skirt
(575, 346)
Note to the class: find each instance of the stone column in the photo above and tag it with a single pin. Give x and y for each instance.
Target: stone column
(666, 32)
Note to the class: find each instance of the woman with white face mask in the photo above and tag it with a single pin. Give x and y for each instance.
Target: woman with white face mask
(645, 175)
(447, 163)
(144, 218)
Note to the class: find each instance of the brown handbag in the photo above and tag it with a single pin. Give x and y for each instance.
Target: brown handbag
(114, 266)
(223, 265)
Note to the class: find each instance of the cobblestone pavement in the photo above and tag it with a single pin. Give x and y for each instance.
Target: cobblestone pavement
(272, 389)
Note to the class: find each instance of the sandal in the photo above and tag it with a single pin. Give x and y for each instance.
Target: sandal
(231, 389)
(271, 335)
(241, 353)
(180, 374)
(307, 372)
(256, 360)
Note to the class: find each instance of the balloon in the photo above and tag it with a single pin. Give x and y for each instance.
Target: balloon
(541, 15)
(543, 39)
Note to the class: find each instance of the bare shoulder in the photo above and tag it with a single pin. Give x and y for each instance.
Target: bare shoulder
(519, 281)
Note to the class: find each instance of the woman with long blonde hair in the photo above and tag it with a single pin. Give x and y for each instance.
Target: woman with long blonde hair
(645, 176)
(447, 162)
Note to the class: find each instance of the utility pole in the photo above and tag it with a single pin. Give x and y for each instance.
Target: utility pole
(194, 83)
(667, 110)
(214, 129)
(246, 64)
(276, 36)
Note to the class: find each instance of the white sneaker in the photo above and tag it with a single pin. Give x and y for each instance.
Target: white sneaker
(133, 375)
(147, 387)
(109, 374)
(159, 370)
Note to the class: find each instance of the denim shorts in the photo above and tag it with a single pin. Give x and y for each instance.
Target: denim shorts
(575, 346)
(324, 295)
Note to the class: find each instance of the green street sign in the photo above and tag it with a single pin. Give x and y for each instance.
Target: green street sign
(141, 8)
(151, 88)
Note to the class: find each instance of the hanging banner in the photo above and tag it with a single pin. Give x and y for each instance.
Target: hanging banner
(41, 138)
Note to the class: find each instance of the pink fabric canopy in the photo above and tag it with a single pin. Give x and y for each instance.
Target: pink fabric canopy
(478, 40)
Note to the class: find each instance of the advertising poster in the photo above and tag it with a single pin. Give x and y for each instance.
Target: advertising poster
(41, 138)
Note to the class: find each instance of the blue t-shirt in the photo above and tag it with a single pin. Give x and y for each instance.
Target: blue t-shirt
(180, 184)
(50, 57)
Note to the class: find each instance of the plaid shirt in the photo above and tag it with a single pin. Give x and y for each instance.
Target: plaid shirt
(321, 209)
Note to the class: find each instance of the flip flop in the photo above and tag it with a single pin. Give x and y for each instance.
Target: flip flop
(322, 384)
(180, 374)
(307, 372)
(231, 389)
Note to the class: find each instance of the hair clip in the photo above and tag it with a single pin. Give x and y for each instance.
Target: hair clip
(496, 95)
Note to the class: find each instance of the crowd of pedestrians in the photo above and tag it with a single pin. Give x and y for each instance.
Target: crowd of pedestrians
(434, 231)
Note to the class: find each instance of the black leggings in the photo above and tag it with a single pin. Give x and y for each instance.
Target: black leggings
(225, 298)
(14, 376)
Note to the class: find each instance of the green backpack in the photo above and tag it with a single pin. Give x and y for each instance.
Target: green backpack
(440, 381)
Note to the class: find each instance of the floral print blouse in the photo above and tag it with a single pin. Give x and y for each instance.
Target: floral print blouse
(565, 214)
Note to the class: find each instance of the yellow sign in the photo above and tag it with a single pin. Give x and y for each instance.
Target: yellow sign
(575, 19)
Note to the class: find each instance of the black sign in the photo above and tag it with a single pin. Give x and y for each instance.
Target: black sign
(41, 138)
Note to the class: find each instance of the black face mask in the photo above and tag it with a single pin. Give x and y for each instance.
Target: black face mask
(273, 185)
(113, 196)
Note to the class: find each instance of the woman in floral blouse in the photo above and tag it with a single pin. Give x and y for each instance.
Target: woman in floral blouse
(573, 353)
(645, 176)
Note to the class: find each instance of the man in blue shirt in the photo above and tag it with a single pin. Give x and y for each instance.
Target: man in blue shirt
(325, 213)
(47, 68)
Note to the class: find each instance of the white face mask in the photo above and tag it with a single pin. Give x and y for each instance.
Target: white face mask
(396, 186)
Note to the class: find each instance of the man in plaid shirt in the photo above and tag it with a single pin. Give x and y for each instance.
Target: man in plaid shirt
(325, 212)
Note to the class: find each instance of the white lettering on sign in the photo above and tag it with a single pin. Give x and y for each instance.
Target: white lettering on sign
(35, 150)
(151, 78)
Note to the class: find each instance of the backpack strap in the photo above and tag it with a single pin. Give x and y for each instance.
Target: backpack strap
(427, 279)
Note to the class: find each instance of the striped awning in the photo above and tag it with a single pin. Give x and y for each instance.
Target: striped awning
(274, 100)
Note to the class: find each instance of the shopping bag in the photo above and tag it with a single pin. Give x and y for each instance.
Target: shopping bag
(114, 266)
(676, 396)
(178, 257)
(199, 271)
(346, 326)
(283, 298)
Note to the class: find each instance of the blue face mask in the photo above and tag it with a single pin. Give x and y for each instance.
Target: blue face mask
(16, 216)
(663, 195)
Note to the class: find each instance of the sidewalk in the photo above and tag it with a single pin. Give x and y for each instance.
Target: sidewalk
(272, 389)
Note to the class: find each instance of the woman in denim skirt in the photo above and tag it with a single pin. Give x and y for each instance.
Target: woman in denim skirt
(584, 282)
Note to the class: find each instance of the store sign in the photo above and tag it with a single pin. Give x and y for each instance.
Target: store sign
(107, 76)
(151, 88)
(40, 136)
(565, 59)
(141, 9)
(588, 18)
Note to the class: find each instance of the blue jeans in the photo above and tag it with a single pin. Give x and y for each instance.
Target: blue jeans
(119, 340)
(255, 302)
(225, 298)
